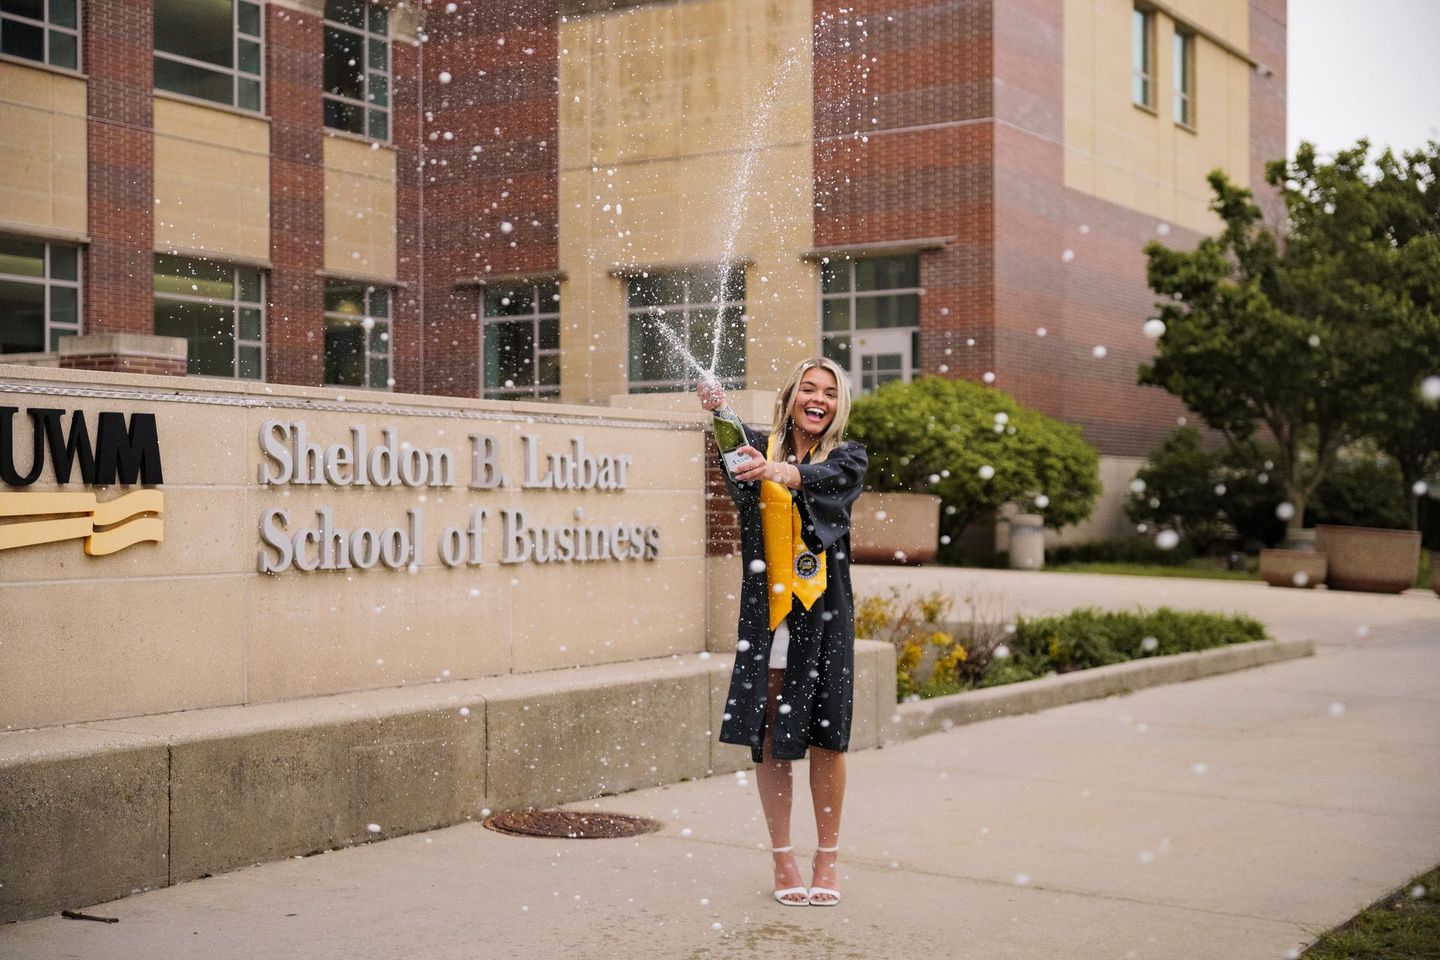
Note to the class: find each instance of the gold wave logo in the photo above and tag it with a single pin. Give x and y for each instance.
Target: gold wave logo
(105, 527)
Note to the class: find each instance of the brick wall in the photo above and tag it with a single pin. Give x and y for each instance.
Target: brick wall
(119, 265)
(904, 149)
(295, 320)
(722, 520)
(405, 126)
(490, 156)
(1267, 100)
(118, 363)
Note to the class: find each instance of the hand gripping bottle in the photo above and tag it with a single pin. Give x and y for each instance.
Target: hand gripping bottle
(730, 437)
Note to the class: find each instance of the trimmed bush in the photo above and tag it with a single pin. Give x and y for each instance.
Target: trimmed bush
(976, 448)
(935, 656)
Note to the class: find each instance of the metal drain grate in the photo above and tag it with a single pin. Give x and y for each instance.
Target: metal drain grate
(570, 824)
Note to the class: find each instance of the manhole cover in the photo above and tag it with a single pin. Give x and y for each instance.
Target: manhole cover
(570, 824)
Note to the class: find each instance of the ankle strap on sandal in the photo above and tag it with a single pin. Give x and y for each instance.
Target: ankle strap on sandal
(782, 849)
(833, 849)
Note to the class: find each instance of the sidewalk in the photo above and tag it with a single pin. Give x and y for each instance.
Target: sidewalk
(1228, 818)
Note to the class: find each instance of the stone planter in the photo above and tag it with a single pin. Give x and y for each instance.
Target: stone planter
(895, 528)
(1027, 541)
(1369, 559)
(1292, 568)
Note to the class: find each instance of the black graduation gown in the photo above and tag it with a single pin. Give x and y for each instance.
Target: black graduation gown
(820, 664)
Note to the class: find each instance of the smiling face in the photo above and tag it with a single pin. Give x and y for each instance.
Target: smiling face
(815, 402)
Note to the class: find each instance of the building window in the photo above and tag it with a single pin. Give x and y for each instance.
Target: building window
(870, 317)
(39, 295)
(671, 310)
(357, 68)
(211, 50)
(43, 30)
(1184, 78)
(520, 336)
(357, 335)
(218, 309)
(1142, 58)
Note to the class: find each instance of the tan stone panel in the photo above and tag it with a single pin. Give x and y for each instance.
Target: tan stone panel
(660, 457)
(1228, 18)
(646, 727)
(1141, 160)
(360, 209)
(206, 531)
(201, 444)
(96, 649)
(212, 181)
(328, 631)
(604, 613)
(70, 838)
(42, 148)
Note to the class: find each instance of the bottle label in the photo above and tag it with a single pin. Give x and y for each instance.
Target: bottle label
(734, 460)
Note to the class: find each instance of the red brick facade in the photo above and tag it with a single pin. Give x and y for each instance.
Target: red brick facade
(936, 118)
(490, 168)
(1267, 99)
(295, 319)
(406, 352)
(119, 265)
(120, 363)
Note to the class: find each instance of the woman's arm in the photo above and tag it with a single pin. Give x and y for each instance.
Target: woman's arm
(828, 490)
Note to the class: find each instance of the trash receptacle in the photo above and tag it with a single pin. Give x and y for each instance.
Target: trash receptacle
(1027, 541)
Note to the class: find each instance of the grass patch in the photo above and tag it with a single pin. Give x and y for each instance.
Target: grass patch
(1195, 569)
(936, 655)
(1403, 926)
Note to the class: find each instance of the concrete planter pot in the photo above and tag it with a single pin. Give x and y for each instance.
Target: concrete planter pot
(1292, 568)
(1369, 559)
(895, 528)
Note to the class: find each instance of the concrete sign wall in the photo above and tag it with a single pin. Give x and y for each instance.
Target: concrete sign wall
(273, 542)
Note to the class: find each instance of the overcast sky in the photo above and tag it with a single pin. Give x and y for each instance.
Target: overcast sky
(1368, 68)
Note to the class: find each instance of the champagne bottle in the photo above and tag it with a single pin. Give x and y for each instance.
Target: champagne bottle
(730, 437)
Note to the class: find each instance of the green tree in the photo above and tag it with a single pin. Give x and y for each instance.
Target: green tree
(977, 448)
(1319, 341)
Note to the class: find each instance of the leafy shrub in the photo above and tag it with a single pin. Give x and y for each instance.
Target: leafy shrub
(934, 435)
(1207, 496)
(935, 656)
(1361, 491)
(1127, 550)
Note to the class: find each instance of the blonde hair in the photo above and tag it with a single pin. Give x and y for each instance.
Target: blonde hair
(835, 431)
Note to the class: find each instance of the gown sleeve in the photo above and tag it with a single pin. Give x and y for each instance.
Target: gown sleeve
(827, 491)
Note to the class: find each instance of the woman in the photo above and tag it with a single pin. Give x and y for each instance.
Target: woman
(797, 612)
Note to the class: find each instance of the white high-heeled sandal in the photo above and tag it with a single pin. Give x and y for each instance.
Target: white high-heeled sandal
(780, 895)
(810, 894)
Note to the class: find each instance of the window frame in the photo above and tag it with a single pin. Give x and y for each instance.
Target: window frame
(535, 390)
(51, 331)
(386, 336)
(234, 72)
(1183, 51)
(366, 105)
(1142, 73)
(853, 296)
(47, 27)
(236, 304)
(687, 307)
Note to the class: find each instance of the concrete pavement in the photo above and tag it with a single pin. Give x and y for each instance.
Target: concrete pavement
(1232, 817)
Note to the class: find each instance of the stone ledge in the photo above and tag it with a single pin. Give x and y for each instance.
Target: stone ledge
(100, 810)
(918, 718)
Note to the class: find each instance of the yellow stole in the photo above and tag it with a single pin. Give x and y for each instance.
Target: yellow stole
(791, 569)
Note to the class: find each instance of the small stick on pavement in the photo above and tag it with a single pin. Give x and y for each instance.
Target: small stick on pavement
(75, 915)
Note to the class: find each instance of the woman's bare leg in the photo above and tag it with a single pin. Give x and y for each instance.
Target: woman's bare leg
(773, 777)
(827, 789)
